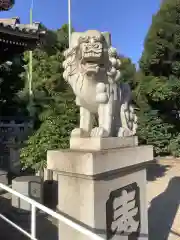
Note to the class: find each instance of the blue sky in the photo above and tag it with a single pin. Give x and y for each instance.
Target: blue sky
(127, 20)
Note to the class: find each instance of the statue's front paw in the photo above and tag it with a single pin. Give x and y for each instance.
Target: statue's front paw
(79, 132)
(101, 94)
(125, 132)
(99, 132)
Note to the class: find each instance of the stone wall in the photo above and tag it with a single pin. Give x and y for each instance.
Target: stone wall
(12, 135)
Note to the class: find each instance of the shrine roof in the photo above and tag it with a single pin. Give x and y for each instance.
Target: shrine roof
(12, 26)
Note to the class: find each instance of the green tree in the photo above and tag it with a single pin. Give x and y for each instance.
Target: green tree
(10, 84)
(55, 110)
(158, 88)
(128, 71)
(129, 75)
(6, 4)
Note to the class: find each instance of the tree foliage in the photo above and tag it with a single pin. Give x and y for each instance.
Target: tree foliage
(10, 84)
(128, 71)
(53, 101)
(158, 88)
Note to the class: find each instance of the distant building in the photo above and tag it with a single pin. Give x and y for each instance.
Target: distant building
(15, 38)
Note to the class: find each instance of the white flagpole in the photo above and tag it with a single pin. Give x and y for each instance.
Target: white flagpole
(69, 20)
(32, 4)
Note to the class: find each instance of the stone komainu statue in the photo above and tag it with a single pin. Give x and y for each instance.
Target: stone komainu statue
(92, 69)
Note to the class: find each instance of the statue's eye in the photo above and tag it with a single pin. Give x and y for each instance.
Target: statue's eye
(97, 39)
(83, 39)
(96, 45)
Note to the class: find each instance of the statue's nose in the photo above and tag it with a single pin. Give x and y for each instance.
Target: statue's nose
(89, 46)
(93, 45)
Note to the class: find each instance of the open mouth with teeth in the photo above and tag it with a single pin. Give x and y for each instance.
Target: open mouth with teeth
(92, 61)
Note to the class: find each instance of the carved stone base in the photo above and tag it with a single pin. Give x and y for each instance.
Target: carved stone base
(104, 191)
(98, 144)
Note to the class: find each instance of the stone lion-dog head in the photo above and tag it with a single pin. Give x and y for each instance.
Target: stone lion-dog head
(90, 54)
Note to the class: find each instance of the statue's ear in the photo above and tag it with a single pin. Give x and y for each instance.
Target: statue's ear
(74, 38)
(107, 37)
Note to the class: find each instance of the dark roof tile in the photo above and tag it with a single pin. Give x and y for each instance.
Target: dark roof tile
(14, 26)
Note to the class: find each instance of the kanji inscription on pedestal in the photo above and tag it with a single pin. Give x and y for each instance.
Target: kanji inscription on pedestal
(123, 213)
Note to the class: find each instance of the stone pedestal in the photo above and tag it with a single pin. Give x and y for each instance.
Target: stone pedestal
(30, 186)
(3, 178)
(103, 190)
(14, 164)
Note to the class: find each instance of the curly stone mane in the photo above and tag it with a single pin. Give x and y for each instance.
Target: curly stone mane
(70, 66)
